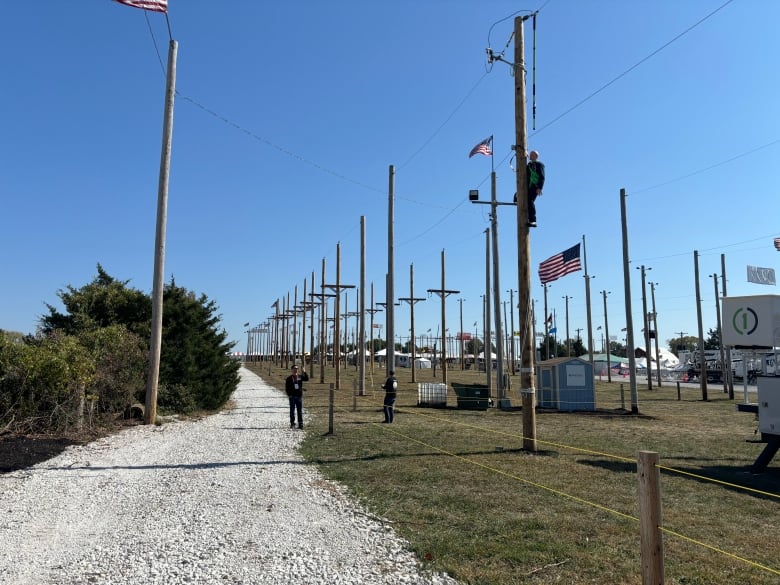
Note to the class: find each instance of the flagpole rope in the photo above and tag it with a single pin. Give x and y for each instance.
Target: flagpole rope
(154, 40)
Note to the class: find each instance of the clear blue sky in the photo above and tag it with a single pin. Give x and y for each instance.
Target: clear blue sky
(290, 114)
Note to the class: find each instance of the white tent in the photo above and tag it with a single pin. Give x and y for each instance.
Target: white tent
(422, 363)
(667, 359)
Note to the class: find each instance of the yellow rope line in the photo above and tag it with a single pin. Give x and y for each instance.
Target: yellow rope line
(719, 550)
(509, 475)
(719, 481)
(572, 497)
(599, 453)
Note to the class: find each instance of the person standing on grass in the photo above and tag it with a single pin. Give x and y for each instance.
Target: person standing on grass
(293, 385)
(391, 388)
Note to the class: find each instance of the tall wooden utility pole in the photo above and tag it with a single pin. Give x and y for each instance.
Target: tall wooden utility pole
(443, 293)
(372, 311)
(390, 278)
(362, 308)
(604, 293)
(655, 334)
(702, 358)
(591, 350)
(337, 288)
(155, 347)
(412, 300)
(527, 380)
(728, 349)
(629, 316)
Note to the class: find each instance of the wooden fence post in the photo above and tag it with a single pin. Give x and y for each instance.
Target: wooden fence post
(330, 409)
(649, 476)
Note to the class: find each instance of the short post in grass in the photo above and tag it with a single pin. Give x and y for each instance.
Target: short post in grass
(622, 397)
(678, 390)
(651, 540)
(330, 408)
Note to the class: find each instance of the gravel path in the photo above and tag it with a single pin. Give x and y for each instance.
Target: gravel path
(225, 499)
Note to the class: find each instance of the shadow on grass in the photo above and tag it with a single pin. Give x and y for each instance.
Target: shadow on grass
(733, 478)
(387, 456)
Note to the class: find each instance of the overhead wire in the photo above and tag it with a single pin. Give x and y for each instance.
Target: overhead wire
(634, 66)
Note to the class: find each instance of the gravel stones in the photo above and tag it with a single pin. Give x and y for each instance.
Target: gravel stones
(225, 499)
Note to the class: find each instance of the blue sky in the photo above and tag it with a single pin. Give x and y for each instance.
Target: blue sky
(290, 113)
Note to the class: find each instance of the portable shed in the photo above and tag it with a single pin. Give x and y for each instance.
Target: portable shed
(565, 383)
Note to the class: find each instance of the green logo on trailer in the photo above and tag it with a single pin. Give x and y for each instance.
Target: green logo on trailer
(745, 321)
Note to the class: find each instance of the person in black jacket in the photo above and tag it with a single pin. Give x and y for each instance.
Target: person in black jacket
(535, 174)
(293, 385)
(391, 388)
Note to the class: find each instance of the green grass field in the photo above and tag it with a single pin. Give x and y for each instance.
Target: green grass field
(459, 487)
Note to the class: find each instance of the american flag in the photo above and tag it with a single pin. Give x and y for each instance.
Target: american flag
(155, 5)
(560, 264)
(777, 244)
(483, 148)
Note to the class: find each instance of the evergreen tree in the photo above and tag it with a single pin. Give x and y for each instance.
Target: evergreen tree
(195, 365)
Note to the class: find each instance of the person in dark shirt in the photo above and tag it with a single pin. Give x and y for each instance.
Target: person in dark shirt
(391, 388)
(293, 386)
(535, 175)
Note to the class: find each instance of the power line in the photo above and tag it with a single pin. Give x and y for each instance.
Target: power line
(732, 159)
(627, 71)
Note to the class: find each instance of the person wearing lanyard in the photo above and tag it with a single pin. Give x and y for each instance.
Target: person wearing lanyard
(293, 385)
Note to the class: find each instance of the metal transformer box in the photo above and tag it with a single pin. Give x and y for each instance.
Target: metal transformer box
(751, 322)
(769, 405)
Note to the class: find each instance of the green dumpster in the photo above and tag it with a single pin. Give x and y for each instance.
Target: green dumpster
(472, 396)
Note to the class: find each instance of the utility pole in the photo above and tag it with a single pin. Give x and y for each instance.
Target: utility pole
(728, 349)
(629, 316)
(647, 330)
(443, 293)
(412, 300)
(390, 277)
(655, 334)
(337, 288)
(158, 286)
(587, 303)
(679, 347)
(362, 308)
(372, 311)
(568, 337)
(460, 336)
(488, 351)
(527, 380)
(512, 328)
(494, 203)
(604, 293)
(702, 358)
(720, 336)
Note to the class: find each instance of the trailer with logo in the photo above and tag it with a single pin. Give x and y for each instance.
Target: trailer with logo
(752, 323)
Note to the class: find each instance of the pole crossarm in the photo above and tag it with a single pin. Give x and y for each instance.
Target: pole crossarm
(338, 287)
(412, 300)
(443, 292)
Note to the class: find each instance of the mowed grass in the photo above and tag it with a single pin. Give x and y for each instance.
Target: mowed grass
(459, 487)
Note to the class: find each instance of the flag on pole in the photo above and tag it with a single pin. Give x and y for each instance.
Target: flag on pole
(553, 330)
(777, 244)
(483, 148)
(759, 275)
(154, 5)
(560, 264)
(549, 319)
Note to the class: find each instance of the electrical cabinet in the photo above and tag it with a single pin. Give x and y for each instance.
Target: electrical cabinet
(769, 405)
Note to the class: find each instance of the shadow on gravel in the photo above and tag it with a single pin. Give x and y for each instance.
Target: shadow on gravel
(217, 465)
(20, 452)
